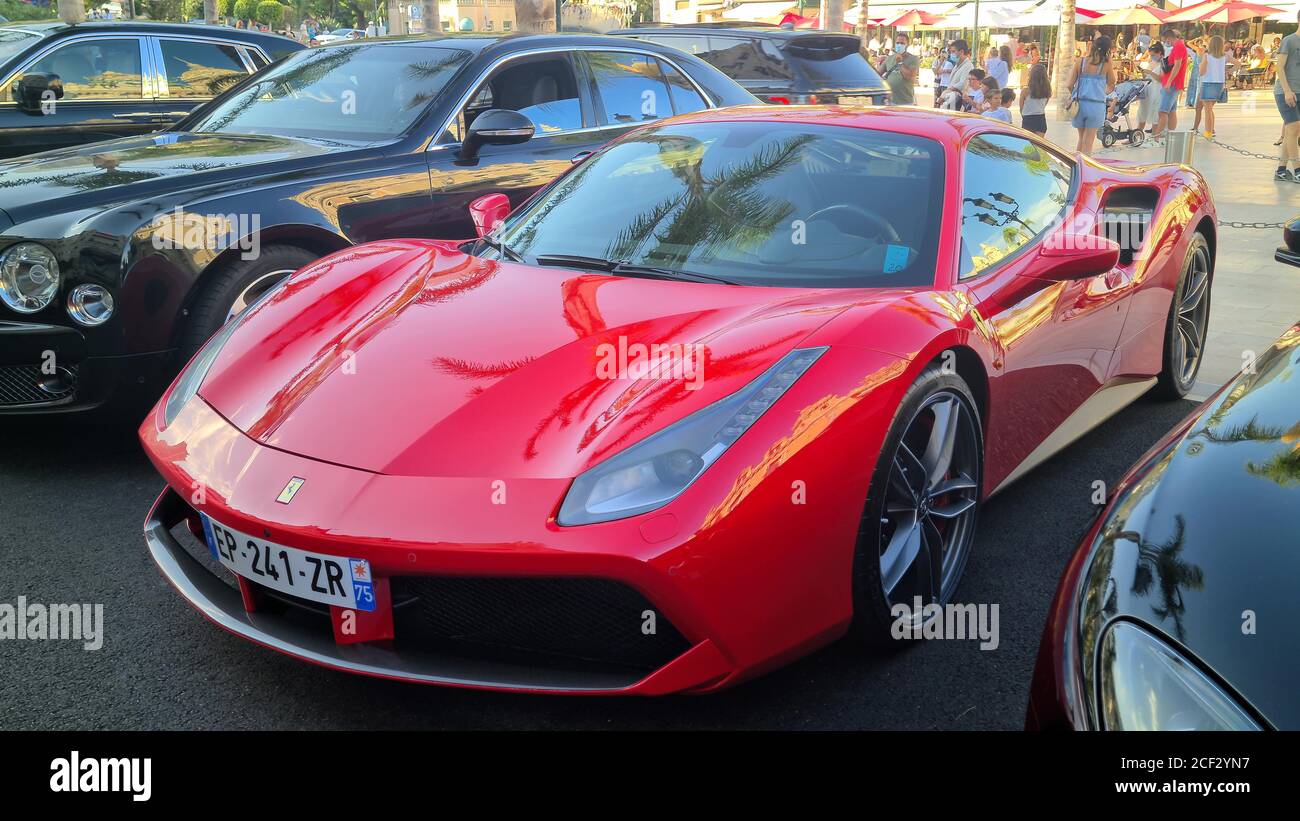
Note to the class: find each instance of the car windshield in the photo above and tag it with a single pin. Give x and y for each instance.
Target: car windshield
(13, 41)
(341, 32)
(756, 203)
(832, 62)
(355, 92)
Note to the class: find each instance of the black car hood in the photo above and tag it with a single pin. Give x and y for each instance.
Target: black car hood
(101, 174)
(1204, 547)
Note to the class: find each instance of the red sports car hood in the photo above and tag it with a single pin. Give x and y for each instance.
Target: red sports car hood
(410, 358)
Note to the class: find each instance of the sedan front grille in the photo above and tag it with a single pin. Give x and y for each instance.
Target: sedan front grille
(29, 385)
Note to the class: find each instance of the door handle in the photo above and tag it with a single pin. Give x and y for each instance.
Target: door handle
(580, 156)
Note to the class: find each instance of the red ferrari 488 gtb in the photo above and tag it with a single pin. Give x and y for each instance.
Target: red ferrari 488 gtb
(731, 386)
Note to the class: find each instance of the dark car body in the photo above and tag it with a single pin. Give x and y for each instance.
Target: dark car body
(112, 213)
(778, 65)
(118, 79)
(1197, 549)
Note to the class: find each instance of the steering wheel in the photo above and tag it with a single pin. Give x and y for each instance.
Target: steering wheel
(884, 229)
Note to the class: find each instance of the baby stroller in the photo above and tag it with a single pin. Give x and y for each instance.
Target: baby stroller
(1125, 94)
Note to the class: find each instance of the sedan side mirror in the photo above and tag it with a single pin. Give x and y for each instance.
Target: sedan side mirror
(488, 212)
(1077, 256)
(1290, 250)
(33, 91)
(496, 126)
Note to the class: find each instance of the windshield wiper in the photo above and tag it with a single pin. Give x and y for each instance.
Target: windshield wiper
(610, 266)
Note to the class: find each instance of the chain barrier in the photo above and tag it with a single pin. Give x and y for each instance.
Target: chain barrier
(1120, 145)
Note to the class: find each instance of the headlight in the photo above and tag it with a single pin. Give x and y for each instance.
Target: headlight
(1147, 685)
(90, 304)
(29, 277)
(187, 384)
(652, 473)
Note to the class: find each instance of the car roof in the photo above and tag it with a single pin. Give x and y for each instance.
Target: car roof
(757, 30)
(500, 43)
(52, 28)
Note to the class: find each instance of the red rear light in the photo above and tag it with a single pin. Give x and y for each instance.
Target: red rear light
(779, 100)
(812, 99)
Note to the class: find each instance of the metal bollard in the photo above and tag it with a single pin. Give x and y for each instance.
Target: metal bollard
(1178, 146)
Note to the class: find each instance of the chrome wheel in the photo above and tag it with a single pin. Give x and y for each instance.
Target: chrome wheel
(1192, 317)
(927, 525)
(260, 285)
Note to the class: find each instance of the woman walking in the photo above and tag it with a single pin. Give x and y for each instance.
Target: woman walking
(1092, 78)
(1033, 101)
(1214, 68)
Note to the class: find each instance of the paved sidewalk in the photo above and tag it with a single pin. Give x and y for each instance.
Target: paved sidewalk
(1255, 298)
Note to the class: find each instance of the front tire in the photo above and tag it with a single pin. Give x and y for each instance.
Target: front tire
(234, 286)
(1189, 317)
(918, 524)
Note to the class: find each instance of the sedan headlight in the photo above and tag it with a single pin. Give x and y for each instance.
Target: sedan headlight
(29, 277)
(1147, 685)
(653, 472)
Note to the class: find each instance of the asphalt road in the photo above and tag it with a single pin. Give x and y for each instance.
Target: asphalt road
(73, 497)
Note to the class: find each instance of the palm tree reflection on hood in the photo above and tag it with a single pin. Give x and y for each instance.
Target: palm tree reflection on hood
(1159, 564)
(727, 210)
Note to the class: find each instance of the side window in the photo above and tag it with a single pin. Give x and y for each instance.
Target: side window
(98, 70)
(196, 69)
(259, 62)
(544, 90)
(1012, 192)
(684, 96)
(631, 88)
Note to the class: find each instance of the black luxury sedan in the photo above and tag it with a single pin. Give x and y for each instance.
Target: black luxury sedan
(64, 85)
(1180, 610)
(118, 259)
(779, 65)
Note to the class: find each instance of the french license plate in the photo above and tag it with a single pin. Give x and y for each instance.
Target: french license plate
(318, 577)
(865, 101)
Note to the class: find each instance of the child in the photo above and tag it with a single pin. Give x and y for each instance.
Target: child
(993, 101)
(1033, 102)
(974, 98)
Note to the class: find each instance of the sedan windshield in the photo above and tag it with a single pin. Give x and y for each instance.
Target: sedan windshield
(350, 92)
(756, 203)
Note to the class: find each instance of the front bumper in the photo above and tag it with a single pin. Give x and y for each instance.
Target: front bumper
(224, 606)
(743, 596)
(48, 369)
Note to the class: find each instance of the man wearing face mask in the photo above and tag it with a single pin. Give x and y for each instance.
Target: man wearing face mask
(900, 70)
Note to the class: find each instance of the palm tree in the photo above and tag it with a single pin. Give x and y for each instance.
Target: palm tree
(72, 11)
(535, 15)
(834, 15)
(210, 12)
(1064, 57)
(429, 18)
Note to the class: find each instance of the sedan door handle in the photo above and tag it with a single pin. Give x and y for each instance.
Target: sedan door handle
(580, 156)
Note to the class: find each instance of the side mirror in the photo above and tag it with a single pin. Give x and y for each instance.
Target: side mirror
(488, 212)
(496, 126)
(1077, 256)
(1290, 250)
(32, 91)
